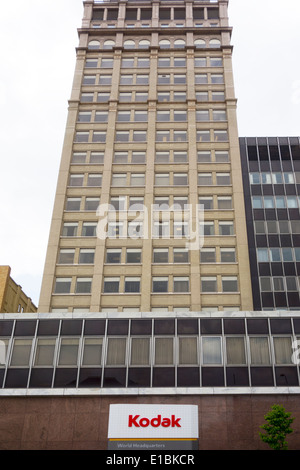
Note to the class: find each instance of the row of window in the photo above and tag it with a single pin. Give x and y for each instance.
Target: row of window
(134, 255)
(275, 202)
(144, 13)
(160, 284)
(162, 203)
(169, 156)
(271, 227)
(171, 135)
(146, 351)
(135, 229)
(95, 44)
(275, 178)
(279, 284)
(162, 62)
(142, 79)
(160, 179)
(162, 97)
(143, 24)
(273, 255)
(176, 115)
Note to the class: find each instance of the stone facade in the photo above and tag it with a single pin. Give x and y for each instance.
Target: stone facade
(205, 140)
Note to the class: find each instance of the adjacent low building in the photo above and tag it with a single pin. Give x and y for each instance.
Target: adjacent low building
(12, 297)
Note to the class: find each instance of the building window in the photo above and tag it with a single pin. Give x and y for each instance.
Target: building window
(89, 229)
(44, 354)
(188, 351)
(94, 180)
(63, 285)
(180, 255)
(70, 229)
(86, 256)
(203, 136)
(221, 136)
(229, 284)
(228, 255)
(105, 79)
(204, 179)
(119, 180)
(91, 203)
(208, 255)
(202, 115)
(132, 284)
(137, 179)
(107, 63)
(134, 255)
(226, 228)
(201, 79)
(21, 353)
(208, 228)
(83, 285)
(140, 351)
(115, 229)
(235, 351)
(161, 255)
(209, 284)
(180, 179)
(211, 350)
(223, 179)
(282, 349)
(102, 97)
(99, 137)
(111, 285)
(92, 352)
(113, 256)
(66, 256)
(81, 137)
(162, 179)
(224, 203)
(160, 284)
(259, 350)
(164, 351)
(181, 284)
(116, 352)
(68, 353)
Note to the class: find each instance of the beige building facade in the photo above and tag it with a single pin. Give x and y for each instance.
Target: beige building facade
(151, 122)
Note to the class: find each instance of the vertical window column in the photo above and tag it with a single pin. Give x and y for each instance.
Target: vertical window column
(149, 185)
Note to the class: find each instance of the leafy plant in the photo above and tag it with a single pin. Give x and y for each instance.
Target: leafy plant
(279, 425)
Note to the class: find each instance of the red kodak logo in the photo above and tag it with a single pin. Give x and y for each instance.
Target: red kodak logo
(136, 421)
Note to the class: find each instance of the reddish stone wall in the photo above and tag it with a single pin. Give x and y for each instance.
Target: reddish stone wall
(50, 423)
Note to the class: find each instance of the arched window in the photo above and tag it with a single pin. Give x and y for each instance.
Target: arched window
(109, 44)
(215, 43)
(199, 43)
(94, 45)
(129, 44)
(179, 43)
(144, 44)
(164, 44)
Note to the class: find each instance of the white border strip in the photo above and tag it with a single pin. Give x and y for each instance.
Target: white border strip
(68, 392)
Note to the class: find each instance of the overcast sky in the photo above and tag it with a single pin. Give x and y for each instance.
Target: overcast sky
(37, 50)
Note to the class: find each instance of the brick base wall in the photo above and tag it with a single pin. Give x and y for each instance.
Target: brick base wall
(74, 423)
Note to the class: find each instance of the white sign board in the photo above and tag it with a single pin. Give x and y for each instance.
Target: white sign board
(153, 422)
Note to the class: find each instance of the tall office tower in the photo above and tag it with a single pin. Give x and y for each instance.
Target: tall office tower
(271, 173)
(151, 123)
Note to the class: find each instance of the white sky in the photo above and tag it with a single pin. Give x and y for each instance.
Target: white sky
(37, 50)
